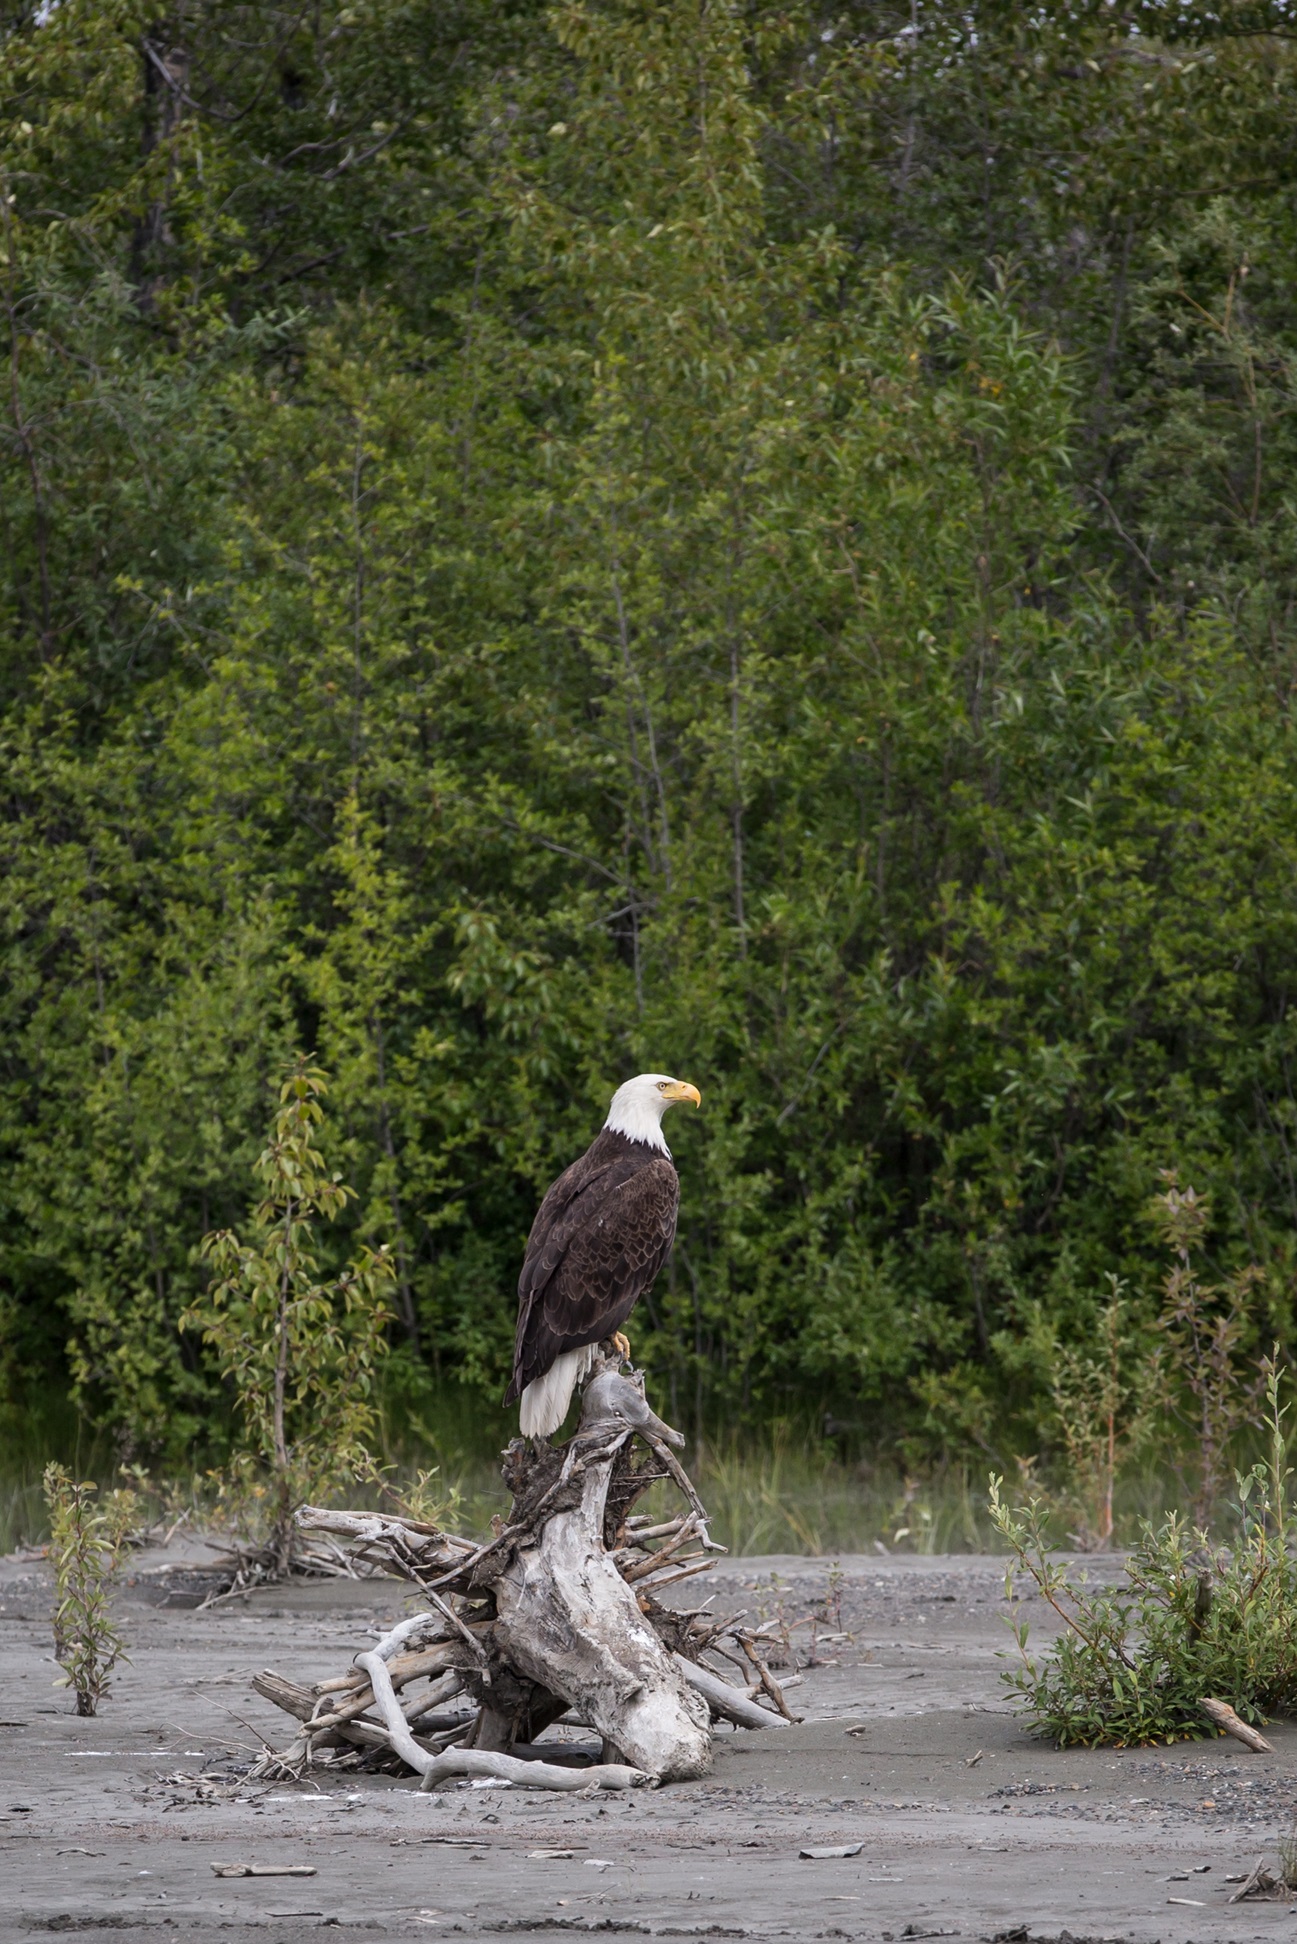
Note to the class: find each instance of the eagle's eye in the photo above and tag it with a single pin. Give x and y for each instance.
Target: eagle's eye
(663, 1085)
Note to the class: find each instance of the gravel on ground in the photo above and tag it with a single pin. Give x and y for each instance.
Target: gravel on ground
(959, 1824)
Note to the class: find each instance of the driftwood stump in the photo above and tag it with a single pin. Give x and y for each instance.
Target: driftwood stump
(569, 1621)
(554, 1617)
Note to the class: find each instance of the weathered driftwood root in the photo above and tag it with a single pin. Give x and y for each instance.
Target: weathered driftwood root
(338, 1713)
(556, 1615)
(568, 1620)
(479, 1762)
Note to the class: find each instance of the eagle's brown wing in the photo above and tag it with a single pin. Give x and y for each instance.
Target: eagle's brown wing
(603, 1231)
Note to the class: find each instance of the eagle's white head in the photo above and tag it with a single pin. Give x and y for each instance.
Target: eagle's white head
(639, 1104)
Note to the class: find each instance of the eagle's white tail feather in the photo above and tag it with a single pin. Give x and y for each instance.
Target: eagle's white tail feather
(543, 1404)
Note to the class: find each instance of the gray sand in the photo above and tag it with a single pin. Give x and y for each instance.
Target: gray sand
(107, 1826)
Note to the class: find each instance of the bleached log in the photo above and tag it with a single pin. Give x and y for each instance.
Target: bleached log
(730, 1703)
(443, 1690)
(412, 1546)
(1229, 1723)
(365, 1528)
(567, 1619)
(314, 1737)
(307, 1704)
(403, 1669)
(291, 1696)
(478, 1764)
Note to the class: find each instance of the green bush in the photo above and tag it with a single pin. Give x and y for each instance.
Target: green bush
(1193, 1619)
(86, 1540)
(300, 1351)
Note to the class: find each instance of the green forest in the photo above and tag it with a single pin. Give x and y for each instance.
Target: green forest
(752, 542)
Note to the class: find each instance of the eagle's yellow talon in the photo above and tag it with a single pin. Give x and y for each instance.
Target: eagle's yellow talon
(622, 1345)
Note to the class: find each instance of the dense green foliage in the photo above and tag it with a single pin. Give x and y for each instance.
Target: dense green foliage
(749, 542)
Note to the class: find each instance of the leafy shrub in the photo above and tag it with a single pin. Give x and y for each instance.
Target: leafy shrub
(1134, 1662)
(86, 1541)
(301, 1352)
(1182, 1380)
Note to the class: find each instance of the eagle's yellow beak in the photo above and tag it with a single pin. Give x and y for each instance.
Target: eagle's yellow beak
(681, 1090)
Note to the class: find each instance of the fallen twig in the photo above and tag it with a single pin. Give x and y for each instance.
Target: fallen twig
(263, 1869)
(681, 1477)
(765, 1677)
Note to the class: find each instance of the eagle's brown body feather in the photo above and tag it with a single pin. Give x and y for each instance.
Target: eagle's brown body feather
(599, 1238)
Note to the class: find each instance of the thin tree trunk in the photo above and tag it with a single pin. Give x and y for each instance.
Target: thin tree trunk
(357, 605)
(661, 862)
(165, 74)
(736, 812)
(409, 1316)
(284, 1531)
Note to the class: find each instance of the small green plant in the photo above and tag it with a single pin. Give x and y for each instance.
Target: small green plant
(1133, 1663)
(1101, 1403)
(87, 1535)
(832, 1601)
(301, 1353)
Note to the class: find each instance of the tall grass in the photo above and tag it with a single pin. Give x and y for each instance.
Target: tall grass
(789, 1494)
(781, 1490)
(778, 1489)
(46, 1429)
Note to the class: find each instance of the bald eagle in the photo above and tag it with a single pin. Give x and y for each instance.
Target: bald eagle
(599, 1238)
